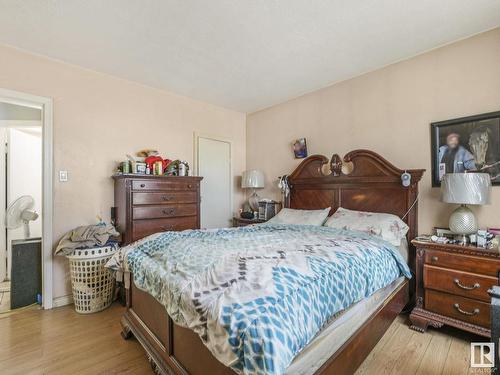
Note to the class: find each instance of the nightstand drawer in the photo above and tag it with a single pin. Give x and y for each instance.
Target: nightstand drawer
(476, 264)
(461, 308)
(461, 283)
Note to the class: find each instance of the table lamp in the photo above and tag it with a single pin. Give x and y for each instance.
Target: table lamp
(253, 179)
(464, 189)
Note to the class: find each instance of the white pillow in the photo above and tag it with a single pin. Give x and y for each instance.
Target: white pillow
(390, 227)
(306, 217)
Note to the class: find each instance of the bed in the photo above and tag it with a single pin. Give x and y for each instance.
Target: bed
(373, 184)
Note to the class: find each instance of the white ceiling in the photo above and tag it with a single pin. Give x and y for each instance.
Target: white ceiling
(239, 54)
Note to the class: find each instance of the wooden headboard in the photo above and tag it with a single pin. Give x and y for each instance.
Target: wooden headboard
(373, 185)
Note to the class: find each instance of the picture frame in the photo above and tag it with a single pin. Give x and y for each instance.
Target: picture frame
(466, 144)
(300, 148)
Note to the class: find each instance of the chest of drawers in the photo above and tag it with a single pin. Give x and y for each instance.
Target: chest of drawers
(452, 287)
(151, 204)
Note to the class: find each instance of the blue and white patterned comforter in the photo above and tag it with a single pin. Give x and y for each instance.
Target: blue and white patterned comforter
(258, 295)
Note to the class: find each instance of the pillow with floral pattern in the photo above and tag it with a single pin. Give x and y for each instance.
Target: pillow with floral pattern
(305, 217)
(387, 226)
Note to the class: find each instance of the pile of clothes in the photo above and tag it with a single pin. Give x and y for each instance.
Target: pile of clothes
(87, 236)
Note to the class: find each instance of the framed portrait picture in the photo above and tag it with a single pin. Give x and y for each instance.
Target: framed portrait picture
(300, 148)
(466, 144)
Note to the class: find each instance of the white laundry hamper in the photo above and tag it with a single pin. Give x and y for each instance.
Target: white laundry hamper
(92, 283)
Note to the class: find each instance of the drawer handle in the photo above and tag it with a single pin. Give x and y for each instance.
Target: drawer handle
(169, 211)
(468, 313)
(143, 185)
(166, 198)
(167, 227)
(190, 186)
(434, 259)
(460, 285)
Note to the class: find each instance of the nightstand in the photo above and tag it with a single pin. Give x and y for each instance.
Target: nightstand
(452, 283)
(240, 222)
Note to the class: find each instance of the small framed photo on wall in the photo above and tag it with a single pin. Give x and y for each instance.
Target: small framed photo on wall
(300, 148)
(469, 144)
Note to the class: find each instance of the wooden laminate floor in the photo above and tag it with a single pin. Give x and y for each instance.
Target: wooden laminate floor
(60, 341)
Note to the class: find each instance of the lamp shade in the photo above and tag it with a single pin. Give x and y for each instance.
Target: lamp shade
(466, 188)
(252, 179)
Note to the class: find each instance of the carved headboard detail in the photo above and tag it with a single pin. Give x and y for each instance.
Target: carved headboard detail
(373, 184)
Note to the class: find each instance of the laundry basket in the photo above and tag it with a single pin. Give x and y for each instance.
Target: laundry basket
(91, 282)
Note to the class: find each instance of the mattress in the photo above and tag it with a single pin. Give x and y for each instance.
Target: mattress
(338, 331)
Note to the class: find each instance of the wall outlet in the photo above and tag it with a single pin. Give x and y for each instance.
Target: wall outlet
(63, 176)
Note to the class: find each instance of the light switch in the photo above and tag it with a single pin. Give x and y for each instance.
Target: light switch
(63, 176)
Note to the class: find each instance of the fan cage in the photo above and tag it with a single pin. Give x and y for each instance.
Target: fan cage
(91, 282)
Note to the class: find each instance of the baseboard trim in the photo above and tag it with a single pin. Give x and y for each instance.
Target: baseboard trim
(62, 301)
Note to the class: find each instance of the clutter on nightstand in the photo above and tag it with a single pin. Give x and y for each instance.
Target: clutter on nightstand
(243, 222)
(149, 162)
(267, 209)
(247, 215)
(483, 238)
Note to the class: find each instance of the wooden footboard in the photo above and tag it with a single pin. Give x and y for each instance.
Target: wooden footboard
(172, 349)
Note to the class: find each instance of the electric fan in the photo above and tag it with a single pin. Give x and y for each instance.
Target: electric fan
(20, 212)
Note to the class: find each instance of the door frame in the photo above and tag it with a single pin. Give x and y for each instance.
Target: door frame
(196, 165)
(46, 105)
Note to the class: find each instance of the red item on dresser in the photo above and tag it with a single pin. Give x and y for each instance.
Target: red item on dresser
(150, 160)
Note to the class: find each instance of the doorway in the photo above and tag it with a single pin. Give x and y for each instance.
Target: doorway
(213, 163)
(25, 200)
(21, 205)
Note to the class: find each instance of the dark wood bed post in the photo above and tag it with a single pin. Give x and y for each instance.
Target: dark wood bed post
(374, 185)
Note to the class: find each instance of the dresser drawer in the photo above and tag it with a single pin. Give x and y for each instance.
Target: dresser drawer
(143, 228)
(158, 212)
(165, 197)
(475, 264)
(164, 185)
(461, 308)
(462, 283)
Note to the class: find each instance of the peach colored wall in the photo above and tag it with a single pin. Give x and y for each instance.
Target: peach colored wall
(388, 111)
(97, 120)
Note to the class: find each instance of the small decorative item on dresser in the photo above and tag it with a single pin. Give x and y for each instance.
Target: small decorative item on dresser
(183, 168)
(452, 283)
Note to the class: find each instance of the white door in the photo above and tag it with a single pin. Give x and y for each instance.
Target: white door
(214, 165)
